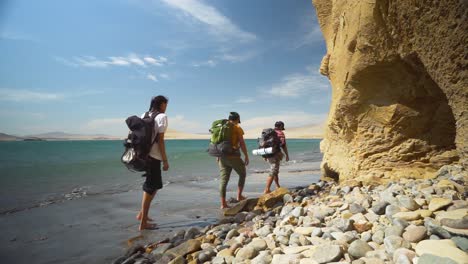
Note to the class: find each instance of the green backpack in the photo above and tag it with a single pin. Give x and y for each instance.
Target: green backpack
(221, 135)
(221, 130)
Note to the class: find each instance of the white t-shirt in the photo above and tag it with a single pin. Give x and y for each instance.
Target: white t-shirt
(160, 126)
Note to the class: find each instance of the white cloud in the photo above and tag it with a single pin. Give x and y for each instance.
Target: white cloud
(299, 84)
(151, 77)
(131, 59)
(90, 61)
(236, 57)
(27, 95)
(121, 61)
(218, 24)
(156, 61)
(245, 100)
(290, 119)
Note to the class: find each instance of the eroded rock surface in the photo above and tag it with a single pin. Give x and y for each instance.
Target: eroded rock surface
(400, 87)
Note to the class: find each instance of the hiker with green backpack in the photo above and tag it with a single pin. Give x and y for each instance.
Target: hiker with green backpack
(227, 140)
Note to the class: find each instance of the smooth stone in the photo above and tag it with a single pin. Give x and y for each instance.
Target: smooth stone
(287, 209)
(408, 216)
(297, 250)
(185, 248)
(456, 232)
(317, 232)
(355, 208)
(454, 214)
(409, 254)
(414, 234)
(263, 257)
(433, 259)
(308, 261)
(455, 223)
(378, 237)
(366, 236)
(327, 253)
(394, 231)
(461, 242)
(439, 203)
(219, 260)
(297, 212)
(232, 234)
(392, 243)
(245, 253)
(287, 198)
(379, 208)
(442, 248)
(177, 260)
(425, 213)
(227, 252)
(264, 231)
(282, 259)
(258, 244)
(390, 210)
(362, 226)
(304, 230)
(359, 248)
(434, 229)
(380, 254)
(407, 202)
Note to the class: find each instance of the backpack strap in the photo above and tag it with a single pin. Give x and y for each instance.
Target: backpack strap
(153, 116)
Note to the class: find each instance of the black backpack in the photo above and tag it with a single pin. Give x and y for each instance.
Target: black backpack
(268, 139)
(139, 142)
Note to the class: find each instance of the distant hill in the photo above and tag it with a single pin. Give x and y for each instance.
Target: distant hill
(308, 131)
(67, 136)
(6, 137)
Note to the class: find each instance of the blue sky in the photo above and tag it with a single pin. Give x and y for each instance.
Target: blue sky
(84, 66)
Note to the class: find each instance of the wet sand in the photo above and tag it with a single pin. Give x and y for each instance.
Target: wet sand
(96, 228)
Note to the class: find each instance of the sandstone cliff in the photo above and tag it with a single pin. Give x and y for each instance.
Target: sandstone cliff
(398, 69)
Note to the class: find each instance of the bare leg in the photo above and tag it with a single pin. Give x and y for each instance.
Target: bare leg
(239, 193)
(277, 181)
(224, 203)
(268, 185)
(145, 206)
(140, 214)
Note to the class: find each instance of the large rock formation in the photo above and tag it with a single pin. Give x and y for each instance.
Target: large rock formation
(398, 69)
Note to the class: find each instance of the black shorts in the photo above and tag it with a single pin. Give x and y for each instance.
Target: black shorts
(153, 180)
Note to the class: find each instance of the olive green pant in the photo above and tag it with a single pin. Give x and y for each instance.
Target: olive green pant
(226, 164)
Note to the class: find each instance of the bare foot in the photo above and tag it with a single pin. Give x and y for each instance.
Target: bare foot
(266, 191)
(148, 226)
(224, 206)
(240, 198)
(139, 215)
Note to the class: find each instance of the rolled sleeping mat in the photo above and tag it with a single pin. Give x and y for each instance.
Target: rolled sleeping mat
(262, 151)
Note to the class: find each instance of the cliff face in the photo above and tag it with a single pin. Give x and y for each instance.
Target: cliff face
(398, 70)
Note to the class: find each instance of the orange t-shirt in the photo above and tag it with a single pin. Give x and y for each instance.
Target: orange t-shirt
(237, 132)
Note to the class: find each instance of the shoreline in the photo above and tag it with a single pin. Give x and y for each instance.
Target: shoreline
(410, 221)
(96, 228)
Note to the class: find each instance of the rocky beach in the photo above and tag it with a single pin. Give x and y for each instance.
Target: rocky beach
(410, 221)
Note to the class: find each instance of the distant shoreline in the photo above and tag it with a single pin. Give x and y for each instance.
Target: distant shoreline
(111, 139)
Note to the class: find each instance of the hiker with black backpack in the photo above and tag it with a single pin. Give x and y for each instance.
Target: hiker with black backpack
(278, 140)
(146, 149)
(227, 141)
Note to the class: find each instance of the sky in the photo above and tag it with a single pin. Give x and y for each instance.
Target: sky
(85, 66)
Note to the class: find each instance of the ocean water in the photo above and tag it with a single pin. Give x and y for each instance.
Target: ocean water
(37, 173)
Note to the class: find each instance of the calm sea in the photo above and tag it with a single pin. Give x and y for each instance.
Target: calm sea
(36, 173)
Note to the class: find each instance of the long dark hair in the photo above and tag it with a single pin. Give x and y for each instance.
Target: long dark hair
(156, 102)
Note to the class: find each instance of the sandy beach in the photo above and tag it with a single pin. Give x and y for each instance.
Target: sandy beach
(96, 228)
